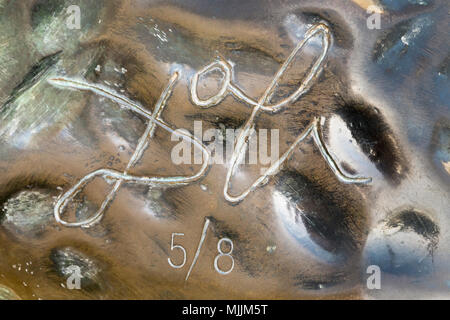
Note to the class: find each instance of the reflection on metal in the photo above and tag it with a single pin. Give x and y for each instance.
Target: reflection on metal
(307, 235)
(264, 104)
(120, 177)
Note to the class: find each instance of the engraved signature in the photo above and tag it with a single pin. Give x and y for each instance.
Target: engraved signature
(262, 104)
(228, 87)
(154, 119)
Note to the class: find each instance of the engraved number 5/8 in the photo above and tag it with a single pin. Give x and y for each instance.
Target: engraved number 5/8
(172, 247)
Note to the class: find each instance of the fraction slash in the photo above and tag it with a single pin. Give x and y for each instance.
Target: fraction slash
(202, 239)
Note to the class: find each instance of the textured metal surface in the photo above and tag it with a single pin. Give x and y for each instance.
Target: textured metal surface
(378, 100)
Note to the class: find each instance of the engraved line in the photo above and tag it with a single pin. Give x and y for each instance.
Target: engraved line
(314, 130)
(137, 155)
(202, 239)
(125, 177)
(228, 87)
(242, 140)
